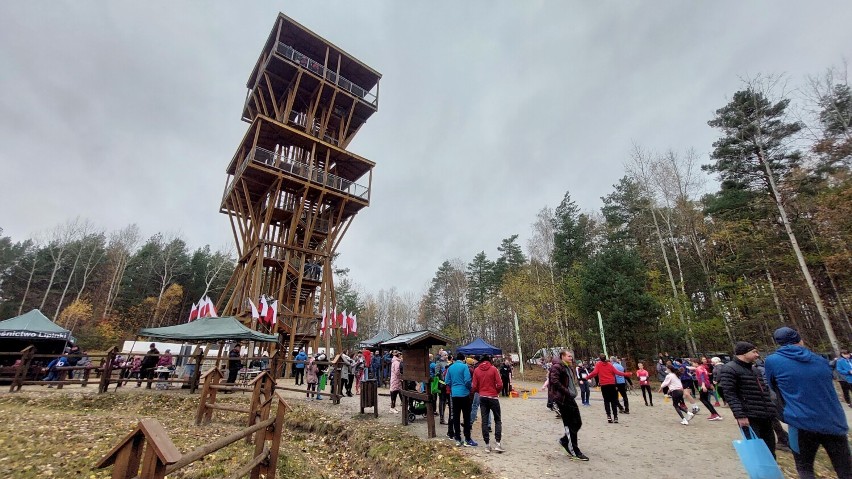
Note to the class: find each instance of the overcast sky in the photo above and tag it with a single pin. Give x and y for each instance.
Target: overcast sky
(127, 112)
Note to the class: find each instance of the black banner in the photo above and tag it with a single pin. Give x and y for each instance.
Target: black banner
(33, 335)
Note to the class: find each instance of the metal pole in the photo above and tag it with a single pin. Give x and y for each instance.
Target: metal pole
(603, 339)
(518, 337)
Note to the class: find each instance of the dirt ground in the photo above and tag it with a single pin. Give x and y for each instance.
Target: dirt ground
(641, 445)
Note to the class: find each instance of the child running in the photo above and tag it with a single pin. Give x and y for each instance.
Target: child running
(643, 376)
(704, 388)
(672, 382)
(606, 372)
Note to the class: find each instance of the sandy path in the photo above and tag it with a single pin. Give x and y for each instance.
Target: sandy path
(638, 445)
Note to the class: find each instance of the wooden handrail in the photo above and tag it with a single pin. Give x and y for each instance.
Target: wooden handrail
(149, 445)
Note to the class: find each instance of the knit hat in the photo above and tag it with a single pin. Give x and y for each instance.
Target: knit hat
(470, 361)
(784, 336)
(743, 347)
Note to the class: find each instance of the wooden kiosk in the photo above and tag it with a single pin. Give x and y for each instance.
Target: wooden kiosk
(415, 347)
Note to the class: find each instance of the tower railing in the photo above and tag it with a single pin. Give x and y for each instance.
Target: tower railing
(308, 172)
(317, 68)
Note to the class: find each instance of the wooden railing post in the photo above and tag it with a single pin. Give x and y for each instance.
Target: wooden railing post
(23, 369)
(272, 433)
(261, 399)
(106, 368)
(211, 378)
(159, 453)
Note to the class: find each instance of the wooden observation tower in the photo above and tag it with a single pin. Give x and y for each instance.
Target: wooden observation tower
(293, 187)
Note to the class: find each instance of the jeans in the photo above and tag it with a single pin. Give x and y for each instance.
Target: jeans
(474, 407)
(837, 448)
(488, 406)
(461, 408)
(571, 421)
(649, 399)
(763, 429)
(610, 397)
(585, 392)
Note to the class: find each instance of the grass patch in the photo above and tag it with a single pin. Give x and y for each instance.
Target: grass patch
(63, 434)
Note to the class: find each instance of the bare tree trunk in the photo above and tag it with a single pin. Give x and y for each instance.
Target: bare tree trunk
(70, 277)
(29, 282)
(690, 340)
(57, 262)
(776, 195)
(775, 295)
(90, 266)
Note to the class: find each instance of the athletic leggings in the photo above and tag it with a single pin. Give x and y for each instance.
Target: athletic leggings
(649, 398)
(677, 401)
(610, 397)
(394, 395)
(705, 400)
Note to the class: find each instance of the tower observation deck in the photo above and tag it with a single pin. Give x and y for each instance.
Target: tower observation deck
(293, 188)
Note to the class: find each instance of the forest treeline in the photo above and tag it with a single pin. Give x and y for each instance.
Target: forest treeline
(105, 286)
(670, 264)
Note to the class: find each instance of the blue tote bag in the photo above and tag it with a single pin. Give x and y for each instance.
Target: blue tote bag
(756, 458)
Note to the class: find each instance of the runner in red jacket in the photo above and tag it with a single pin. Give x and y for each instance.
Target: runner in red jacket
(606, 374)
(487, 382)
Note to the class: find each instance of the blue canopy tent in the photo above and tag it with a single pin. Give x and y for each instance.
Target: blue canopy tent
(478, 346)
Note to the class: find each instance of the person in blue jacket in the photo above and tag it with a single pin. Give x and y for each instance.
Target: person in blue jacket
(459, 380)
(843, 366)
(300, 360)
(811, 409)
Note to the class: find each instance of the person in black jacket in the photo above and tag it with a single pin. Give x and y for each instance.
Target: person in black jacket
(562, 390)
(748, 394)
(234, 364)
(146, 370)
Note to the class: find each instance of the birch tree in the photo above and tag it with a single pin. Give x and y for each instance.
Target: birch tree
(755, 152)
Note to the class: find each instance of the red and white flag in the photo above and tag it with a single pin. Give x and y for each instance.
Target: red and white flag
(353, 323)
(202, 308)
(323, 323)
(211, 309)
(275, 313)
(254, 313)
(193, 313)
(342, 323)
(340, 319)
(271, 312)
(264, 307)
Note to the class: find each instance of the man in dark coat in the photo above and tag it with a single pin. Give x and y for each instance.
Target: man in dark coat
(562, 390)
(748, 394)
(149, 363)
(234, 364)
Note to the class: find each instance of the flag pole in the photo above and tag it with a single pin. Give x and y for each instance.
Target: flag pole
(603, 339)
(518, 338)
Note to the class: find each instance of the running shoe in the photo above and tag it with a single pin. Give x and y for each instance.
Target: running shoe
(716, 404)
(487, 447)
(715, 417)
(498, 448)
(470, 443)
(609, 419)
(615, 420)
(689, 416)
(685, 422)
(579, 456)
(459, 444)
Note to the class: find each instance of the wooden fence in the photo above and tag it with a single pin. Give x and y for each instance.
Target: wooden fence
(150, 447)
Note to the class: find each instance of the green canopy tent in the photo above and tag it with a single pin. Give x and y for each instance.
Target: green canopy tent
(209, 329)
(33, 328)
